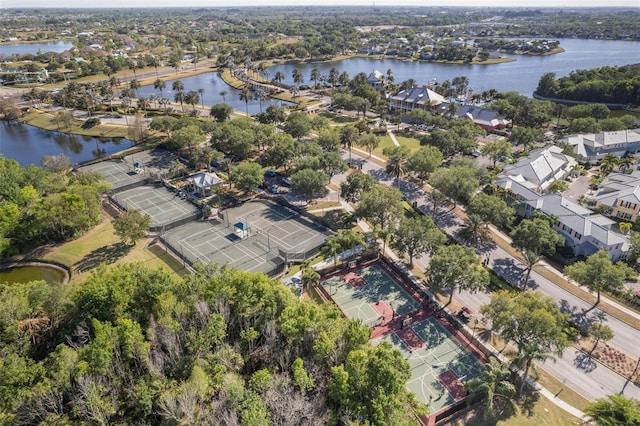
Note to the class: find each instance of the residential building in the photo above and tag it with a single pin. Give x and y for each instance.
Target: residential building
(488, 119)
(594, 146)
(376, 79)
(620, 192)
(583, 231)
(415, 98)
(541, 168)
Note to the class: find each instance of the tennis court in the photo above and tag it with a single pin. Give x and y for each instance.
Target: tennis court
(370, 294)
(159, 202)
(268, 230)
(123, 172)
(440, 364)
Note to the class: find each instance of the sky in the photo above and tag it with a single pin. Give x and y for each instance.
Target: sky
(239, 3)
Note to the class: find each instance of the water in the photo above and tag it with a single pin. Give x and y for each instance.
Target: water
(27, 144)
(521, 75)
(212, 85)
(34, 48)
(25, 274)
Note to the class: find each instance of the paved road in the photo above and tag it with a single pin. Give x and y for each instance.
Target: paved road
(590, 379)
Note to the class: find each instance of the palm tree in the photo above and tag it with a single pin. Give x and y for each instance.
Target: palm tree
(349, 136)
(279, 76)
(334, 74)
(297, 76)
(474, 231)
(135, 85)
(192, 98)
(177, 86)
(527, 354)
(260, 96)
(625, 163)
(201, 93)
(493, 386)
(310, 277)
(179, 97)
(209, 155)
(608, 164)
(332, 248)
(159, 84)
(315, 75)
(224, 94)
(245, 95)
(397, 161)
(177, 168)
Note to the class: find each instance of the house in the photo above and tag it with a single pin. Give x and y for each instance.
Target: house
(541, 167)
(584, 231)
(376, 79)
(488, 119)
(202, 183)
(415, 98)
(594, 146)
(620, 192)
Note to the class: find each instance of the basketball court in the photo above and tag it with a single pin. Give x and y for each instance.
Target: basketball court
(371, 295)
(440, 364)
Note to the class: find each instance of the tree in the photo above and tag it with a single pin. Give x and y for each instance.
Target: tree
(246, 176)
(315, 76)
(535, 238)
(608, 164)
(456, 267)
(298, 125)
(349, 136)
(357, 184)
(332, 163)
(491, 209)
(497, 150)
(309, 183)
(329, 139)
(417, 236)
(396, 161)
(599, 332)
(599, 273)
(457, 183)
(382, 206)
(246, 96)
(424, 161)
(370, 141)
(532, 321)
(614, 410)
(224, 94)
(221, 112)
(131, 226)
(493, 386)
(297, 76)
(526, 136)
(557, 186)
(192, 98)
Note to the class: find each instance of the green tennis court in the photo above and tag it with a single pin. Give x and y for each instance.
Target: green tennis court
(440, 364)
(370, 295)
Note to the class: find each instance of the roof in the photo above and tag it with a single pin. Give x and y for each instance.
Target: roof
(204, 180)
(482, 116)
(592, 145)
(542, 166)
(418, 95)
(243, 226)
(619, 186)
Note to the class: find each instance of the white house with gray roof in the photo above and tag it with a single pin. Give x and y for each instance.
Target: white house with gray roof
(594, 146)
(415, 98)
(584, 231)
(541, 167)
(620, 192)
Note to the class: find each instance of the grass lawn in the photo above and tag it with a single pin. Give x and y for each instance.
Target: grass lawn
(44, 121)
(102, 246)
(385, 141)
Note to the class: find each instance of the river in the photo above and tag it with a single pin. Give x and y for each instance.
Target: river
(521, 75)
(33, 48)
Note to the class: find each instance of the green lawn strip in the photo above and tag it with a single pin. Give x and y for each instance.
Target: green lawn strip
(44, 120)
(323, 205)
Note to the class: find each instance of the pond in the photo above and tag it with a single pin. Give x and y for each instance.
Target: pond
(34, 48)
(25, 274)
(27, 144)
(521, 75)
(212, 87)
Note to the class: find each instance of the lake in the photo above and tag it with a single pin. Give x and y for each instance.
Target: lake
(212, 85)
(27, 144)
(25, 274)
(34, 48)
(521, 75)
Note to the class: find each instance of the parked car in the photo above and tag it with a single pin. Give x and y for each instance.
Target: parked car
(274, 189)
(270, 173)
(286, 180)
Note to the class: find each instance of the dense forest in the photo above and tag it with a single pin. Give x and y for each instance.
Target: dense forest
(615, 85)
(45, 205)
(132, 345)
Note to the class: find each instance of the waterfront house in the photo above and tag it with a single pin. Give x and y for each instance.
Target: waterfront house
(595, 146)
(415, 98)
(541, 168)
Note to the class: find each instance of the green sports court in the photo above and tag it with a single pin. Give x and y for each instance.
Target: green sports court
(440, 362)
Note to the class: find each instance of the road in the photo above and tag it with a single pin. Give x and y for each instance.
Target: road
(591, 379)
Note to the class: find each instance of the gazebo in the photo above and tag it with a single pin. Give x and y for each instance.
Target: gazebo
(241, 229)
(201, 183)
